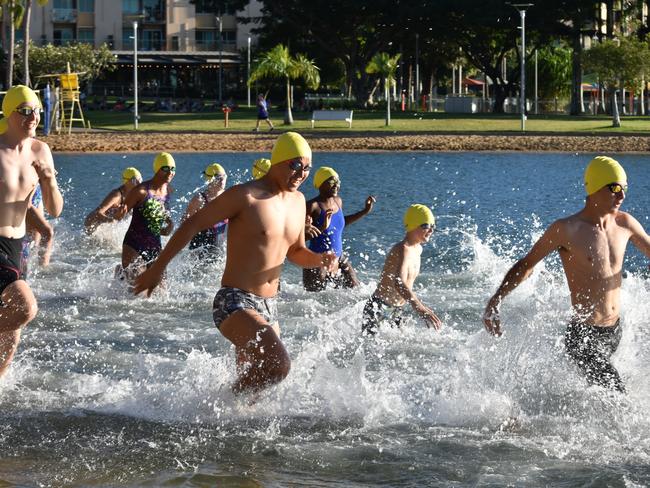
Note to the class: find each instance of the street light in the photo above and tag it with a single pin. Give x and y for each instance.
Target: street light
(220, 40)
(417, 70)
(248, 71)
(521, 8)
(135, 74)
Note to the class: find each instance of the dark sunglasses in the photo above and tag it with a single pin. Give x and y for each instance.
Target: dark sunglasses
(168, 169)
(617, 188)
(296, 166)
(28, 111)
(333, 182)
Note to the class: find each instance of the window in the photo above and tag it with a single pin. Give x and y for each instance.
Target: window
(127, 38)
(130, 7)
(69, 4)
(229, 36)
(175, 43)
(206, 40)
(151, 40)
(87, 6)
(63, 36)
(153, 10)
(204, 7)
(86, 36)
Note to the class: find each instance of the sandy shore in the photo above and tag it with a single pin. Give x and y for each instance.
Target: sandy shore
(105, 141)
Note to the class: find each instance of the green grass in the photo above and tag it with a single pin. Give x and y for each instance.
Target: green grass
(243, 120)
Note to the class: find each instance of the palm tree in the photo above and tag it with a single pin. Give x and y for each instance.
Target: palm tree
(385, 66)
(278, 63)
(28, 14)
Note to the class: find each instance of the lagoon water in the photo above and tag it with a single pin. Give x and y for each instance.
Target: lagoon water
(108, 389)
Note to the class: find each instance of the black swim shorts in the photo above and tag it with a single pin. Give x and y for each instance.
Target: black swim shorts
(228, 300)
(10, 253)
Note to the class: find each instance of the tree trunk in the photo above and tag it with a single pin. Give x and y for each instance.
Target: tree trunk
(500, 93)
(576, 76)
(28, 13)
(616, 119)
(431, 84)
(371, 96)
(288, 116)
(410, 87)
(387, 88)
(10, 50)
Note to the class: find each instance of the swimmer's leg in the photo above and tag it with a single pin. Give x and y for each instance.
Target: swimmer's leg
(314, 279)
(262, 358)
(18, 309)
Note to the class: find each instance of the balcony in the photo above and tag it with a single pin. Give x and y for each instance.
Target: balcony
(64, 15)
(206, 46)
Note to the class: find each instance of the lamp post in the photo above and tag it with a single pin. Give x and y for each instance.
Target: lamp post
(135, 74)
(521, 8)
(417, 70)
(220, 47)
(248, 71)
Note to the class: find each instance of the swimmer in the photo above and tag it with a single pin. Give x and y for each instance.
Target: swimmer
(261, 166)
(208, 241)
(109, 209)
(591, 245)
(265, 226)
(25, 162)
(324, 229)
(402, 267)
(39, 233)
(151, 218)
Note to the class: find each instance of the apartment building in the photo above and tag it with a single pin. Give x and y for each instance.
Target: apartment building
(182, 46)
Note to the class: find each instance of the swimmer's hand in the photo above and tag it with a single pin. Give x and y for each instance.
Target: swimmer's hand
(43, 170)
(329, 261)
(327, 220)
(148, 281)
(119, 212)
(430, 318)
(311, 231)
(370, 202)
(491, 318)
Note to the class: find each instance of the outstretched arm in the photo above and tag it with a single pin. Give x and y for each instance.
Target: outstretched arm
(351, 219)
(551, 240)
(225, 206)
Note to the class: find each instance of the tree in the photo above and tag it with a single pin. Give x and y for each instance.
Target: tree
(278, 63)
(384, 65)
(82, 58)
(617, 62)
(26, 37)
(554, 72)
(13, 13)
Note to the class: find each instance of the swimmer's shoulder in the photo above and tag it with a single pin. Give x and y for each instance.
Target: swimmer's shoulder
(40, 148)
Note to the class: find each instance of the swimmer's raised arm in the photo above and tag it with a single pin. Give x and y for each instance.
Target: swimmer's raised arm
(44, 167)
(225, 206)
(551, 240)
(370, 202)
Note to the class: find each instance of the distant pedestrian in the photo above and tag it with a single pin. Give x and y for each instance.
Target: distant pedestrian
(262, 113)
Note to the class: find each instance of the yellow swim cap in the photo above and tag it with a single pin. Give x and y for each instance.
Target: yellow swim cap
(323, 174)
(601, 171)
(261, 166)
(14, 98)
(212, 170)
(129, 173)
(290, 145)
(416, 215)
(163, 159)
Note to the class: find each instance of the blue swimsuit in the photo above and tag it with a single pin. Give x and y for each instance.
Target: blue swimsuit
(332, 238)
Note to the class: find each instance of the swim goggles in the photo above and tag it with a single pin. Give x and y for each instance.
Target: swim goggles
(27, 111)
(617, 188)
(168, 169)
(296, 166)
(428, 226)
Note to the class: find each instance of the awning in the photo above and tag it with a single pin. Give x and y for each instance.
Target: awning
(473, 82)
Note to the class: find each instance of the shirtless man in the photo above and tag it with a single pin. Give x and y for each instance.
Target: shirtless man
(24, 163)
(324, 229)
(109, 209)
(592, 246)
(402, 266)
(266, 220)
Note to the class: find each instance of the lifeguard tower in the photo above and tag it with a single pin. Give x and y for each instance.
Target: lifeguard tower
(69, 103)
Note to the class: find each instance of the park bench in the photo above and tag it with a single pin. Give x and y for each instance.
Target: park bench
(345, 115)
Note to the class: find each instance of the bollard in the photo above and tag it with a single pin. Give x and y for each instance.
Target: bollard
(226, 112)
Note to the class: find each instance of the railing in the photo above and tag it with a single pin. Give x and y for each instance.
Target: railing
(144, 45)
(64, 15)
(206, 46)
